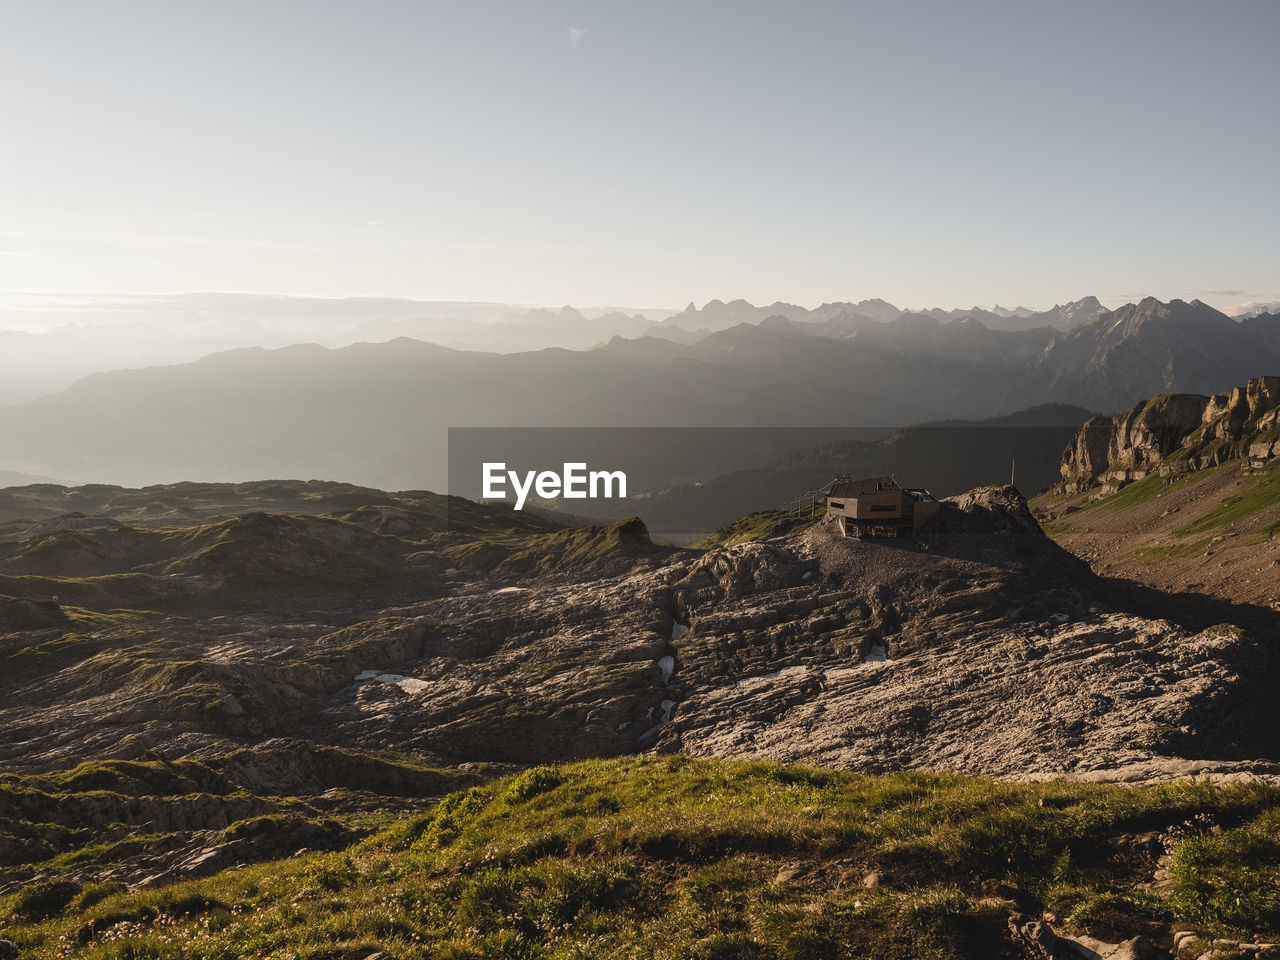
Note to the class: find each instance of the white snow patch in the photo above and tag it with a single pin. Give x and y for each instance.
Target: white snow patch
(678, 630)
(1059, 617)
(450, 569)
(877, 654)
(624, 725)
(407, 684)
(668, 666)
(667, 707)
(807, 575)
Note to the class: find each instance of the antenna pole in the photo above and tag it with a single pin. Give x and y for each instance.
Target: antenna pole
(1012, 466)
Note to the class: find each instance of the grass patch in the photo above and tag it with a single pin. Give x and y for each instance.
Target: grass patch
(1134, 494)
(1265, 534)
(676, 857)
(1148, 488)
(1230, 878)
(1170, 551)
(757, 526)
(1258, 492)
(1058, 528)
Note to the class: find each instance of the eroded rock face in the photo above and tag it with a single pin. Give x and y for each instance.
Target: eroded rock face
(983, 648)
(1200, 431)
(736, 652)
(1098, 694)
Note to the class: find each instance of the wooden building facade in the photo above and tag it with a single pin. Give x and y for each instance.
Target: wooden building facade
(880, 507)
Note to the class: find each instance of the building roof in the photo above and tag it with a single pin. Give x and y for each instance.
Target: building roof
(863, 488)
(844, 488)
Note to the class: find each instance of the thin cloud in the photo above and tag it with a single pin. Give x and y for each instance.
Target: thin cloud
(575, 35)
(1222, 293)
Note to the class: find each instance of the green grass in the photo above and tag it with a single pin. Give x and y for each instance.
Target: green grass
(1148, 488)
(679, 858)
(1259, 491)
(1231, 878)
(1142, 491)
(1265, 534)
(757, 526)
(1170, 551)
(1057, 528)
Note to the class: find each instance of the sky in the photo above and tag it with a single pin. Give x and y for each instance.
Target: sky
(643, 153)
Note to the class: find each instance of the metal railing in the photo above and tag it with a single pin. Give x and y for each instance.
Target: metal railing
(796, 506)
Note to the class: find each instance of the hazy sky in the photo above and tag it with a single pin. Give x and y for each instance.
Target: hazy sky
(643, 153)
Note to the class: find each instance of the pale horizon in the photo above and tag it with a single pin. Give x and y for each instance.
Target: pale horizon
(135, 304)
(928, 154)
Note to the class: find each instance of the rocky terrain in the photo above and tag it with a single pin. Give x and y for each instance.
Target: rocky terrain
(1181, 494)
(529, 647)
(204, 676)
(1174, 434)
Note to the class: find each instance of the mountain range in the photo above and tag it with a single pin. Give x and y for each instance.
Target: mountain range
(55, 341)
(378, 413)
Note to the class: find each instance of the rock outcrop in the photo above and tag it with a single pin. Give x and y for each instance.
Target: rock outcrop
(1175, 433)
(963, 651)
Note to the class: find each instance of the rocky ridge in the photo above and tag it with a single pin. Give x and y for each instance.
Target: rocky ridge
(1174, 434)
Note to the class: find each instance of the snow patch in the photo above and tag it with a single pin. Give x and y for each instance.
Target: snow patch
(667, 707)
(678, 630)
(407, 684)
(494, 593)
(877, 654)
(807, 575)
(668, 666)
